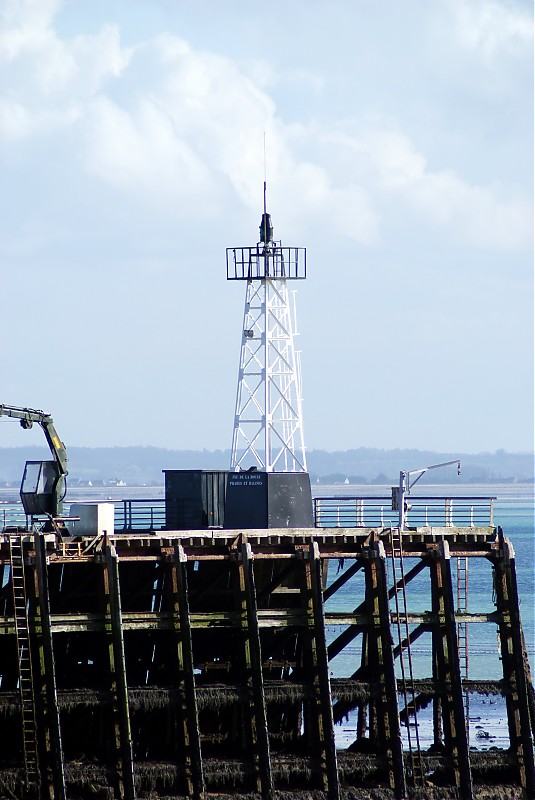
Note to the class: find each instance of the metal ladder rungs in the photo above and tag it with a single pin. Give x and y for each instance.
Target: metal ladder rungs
(404, 644)
(20, 618)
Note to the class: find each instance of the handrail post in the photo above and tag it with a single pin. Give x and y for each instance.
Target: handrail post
(449, 513)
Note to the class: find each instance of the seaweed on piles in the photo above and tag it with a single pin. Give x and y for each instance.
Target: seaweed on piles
(149, 774)
(353, 691)
(10, 781)
(357, 764)
(150, 698)
(69, 699)
(218, 696)
(221, 772)
(9, 704)
(286, 692)
(82, 772)
(286, 768)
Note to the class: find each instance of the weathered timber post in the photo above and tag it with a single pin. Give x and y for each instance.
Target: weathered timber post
(446, 653)
(189, 715)
(51, 732)
(437, 700)
(253, 672)
(312, 708)
(529, 681)
(381, 665)
(512, 653)
(362, 715)
(119, 688)
(322, 683)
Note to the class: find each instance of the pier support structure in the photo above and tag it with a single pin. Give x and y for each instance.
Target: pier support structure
(193, 663)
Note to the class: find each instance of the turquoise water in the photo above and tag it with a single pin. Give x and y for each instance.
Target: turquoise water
(514, 511)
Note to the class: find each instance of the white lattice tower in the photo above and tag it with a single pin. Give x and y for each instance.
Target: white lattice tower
(268, 427)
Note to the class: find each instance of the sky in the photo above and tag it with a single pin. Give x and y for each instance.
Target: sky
(398, 151)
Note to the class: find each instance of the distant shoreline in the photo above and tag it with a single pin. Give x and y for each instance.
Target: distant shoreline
(155, 491)
(144, 466)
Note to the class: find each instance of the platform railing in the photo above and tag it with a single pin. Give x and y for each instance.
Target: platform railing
(140, 514)
(344, 512)
(366, 512)
(13, 515)
(329, 512)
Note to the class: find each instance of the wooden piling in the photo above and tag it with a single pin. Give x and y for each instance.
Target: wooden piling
(449, 671)
(314, 582)
(381, 664)
(514, 673)
(119, 686)
(51, 731)
(253, 671)
(188, 712)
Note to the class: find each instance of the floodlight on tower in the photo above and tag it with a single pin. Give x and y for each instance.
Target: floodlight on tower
(268, 426)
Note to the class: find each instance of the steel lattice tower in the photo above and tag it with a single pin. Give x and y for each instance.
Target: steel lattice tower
(268, 428)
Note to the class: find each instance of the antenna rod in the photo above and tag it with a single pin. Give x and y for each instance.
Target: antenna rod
(266, 228)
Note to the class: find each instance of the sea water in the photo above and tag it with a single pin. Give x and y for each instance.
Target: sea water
(514, 512)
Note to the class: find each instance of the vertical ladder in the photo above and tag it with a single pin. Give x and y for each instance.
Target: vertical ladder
(20, 613)
(407, 674)
(462, 632)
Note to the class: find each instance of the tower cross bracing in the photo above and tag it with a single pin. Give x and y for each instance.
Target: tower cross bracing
(268, 427)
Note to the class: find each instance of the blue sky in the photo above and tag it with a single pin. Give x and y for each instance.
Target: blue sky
(399, 152)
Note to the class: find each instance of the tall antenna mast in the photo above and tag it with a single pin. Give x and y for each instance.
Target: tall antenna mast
(268, 428)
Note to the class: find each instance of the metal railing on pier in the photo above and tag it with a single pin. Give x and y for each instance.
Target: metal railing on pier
(344, 512)
(368, 512)
(329, 512)
(12, 515)
(140, 514)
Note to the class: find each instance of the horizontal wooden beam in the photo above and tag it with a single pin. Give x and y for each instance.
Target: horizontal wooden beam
(267, 618)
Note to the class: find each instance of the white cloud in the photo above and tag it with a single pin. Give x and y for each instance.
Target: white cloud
(141, 151)
(306, 197)
(27, 37)
(114, 158)
(480, 214)
(175, 124)
(15, 121)
(26, 25)
(443, 197)
(489, 26)
(40, 68)
(18, 122)
(99, 58)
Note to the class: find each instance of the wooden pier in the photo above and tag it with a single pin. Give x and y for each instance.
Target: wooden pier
(199, 664)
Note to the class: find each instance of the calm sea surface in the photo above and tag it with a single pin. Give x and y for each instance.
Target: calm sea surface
(514, 511)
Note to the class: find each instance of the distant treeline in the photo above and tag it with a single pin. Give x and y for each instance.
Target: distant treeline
(138, 466)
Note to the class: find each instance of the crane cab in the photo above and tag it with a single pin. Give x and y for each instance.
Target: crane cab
(41, 490)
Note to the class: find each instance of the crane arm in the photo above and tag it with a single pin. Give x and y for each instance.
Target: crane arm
(27, 417)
